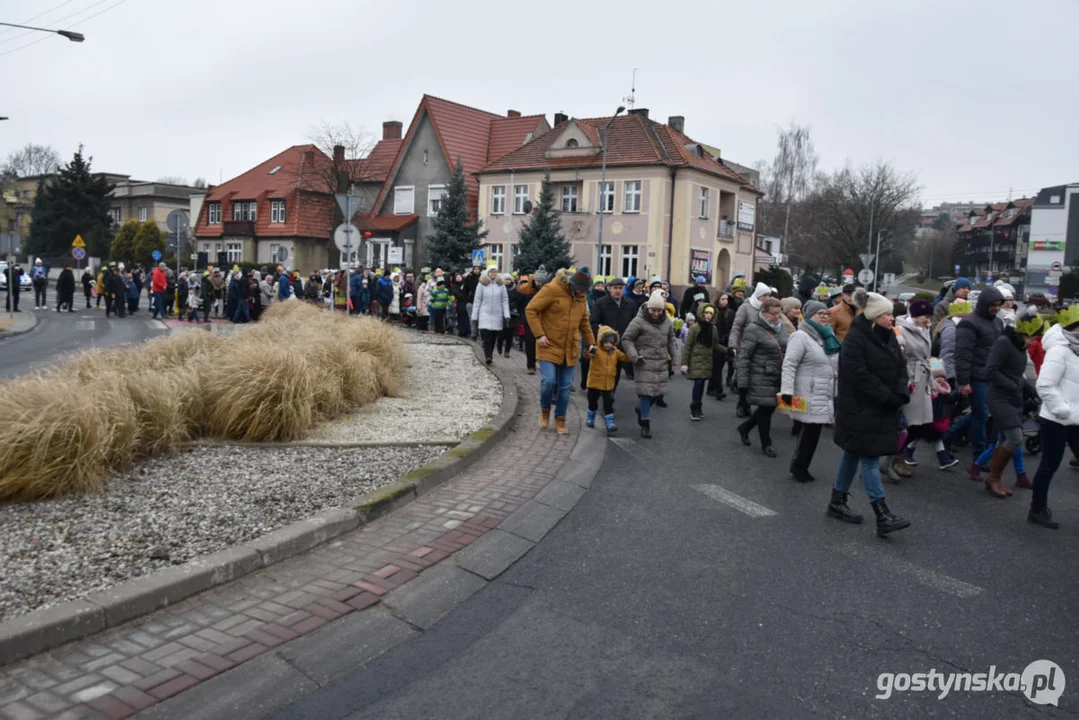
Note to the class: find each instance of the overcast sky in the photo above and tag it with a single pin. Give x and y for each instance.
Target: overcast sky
(976, 97)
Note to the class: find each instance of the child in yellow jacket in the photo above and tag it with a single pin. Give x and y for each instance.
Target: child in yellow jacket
(602, 376)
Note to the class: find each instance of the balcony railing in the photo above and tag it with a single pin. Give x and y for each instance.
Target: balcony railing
(239, 227)
(726, 229)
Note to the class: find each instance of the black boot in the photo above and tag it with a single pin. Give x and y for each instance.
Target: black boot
(838, 509)
(646, 429)
(640, 423)
(801, 475)
(695, 411)
(743, 433)
(660, 402)
(1043, 517)
(886, 521)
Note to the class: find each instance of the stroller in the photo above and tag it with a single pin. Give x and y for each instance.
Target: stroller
(1032, 430)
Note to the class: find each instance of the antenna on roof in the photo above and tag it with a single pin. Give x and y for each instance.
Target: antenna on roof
(632, 97)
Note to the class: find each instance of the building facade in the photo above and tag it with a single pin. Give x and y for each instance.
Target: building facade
(991, 242)
(1054, 237)
(669, 207)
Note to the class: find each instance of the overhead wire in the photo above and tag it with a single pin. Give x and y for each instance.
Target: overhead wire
(56, 22)
(74, 24)
(30, 20)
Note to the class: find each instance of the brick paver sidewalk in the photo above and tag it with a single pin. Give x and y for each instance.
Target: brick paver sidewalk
(125, 669)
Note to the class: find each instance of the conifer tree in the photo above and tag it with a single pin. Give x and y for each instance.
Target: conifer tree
(542, 242)
(73, 203)
(457, 232)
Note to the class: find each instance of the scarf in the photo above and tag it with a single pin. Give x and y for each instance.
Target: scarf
(755, 303)
(831, 342)
(777, 325)
(1072, 336)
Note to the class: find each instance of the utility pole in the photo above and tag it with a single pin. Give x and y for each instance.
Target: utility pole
(602, 189)
(876, 264)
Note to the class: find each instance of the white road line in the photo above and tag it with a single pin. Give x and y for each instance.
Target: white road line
(929, 578)
(157, 325)
(737, 502)
(629, 445)
(84, 324)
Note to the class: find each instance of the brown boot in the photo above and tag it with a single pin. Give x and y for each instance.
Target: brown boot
(560, 426)
(997, 462)
(545, 418)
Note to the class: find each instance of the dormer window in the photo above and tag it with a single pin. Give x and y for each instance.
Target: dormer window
(572, 143)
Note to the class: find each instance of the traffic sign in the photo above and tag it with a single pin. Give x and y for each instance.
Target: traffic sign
(156, 255)
(957, 270)
(342, 238)
(78, 253)
(194, 256)
(865, 276)
(1056, 265)
(478, 257)
(1053, 290)
(989, 278)
(78, 242)
(347, 202)
(867, 259)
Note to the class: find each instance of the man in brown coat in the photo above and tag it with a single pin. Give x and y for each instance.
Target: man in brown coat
(558, 317)
(842, 313)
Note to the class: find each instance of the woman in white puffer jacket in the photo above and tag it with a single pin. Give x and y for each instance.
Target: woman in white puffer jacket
(490, 309)
(1058, 387)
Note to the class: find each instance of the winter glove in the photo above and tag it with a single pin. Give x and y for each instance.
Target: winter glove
(640, 360)
(685, 369)
(787, 399)
(505, 322)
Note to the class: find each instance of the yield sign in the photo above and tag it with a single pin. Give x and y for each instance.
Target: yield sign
(867, 259)
(78, 242)
(343, 200)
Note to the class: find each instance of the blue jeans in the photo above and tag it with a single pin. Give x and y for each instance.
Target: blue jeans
(974, 423)
(646, 407)
(698, 390)
(848, 465)
(157, 305)
(1017, 459)
(555, 384)
(242, 314)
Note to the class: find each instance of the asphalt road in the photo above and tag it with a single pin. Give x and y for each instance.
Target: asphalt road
(695, 579)
(60, 335)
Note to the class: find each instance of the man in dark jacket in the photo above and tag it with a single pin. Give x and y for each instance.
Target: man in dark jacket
(974, 339)
(616, 311)
(14, 284)
(807, 286)
(65, 290)
(696, 293)
(118, 292)
(383, 295)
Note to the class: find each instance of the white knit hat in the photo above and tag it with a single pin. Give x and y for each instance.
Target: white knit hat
(656, 301)
(877, 305)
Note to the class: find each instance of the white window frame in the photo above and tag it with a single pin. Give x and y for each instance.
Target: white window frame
(606, 197)
(570, 198)
(703, 200)
(497, 255)
(143, 214)
(632, 191)
(606, 259)
(237, 210)
(250, 212)
(400, 194)
(435, 195)
(213, 213)
(235, 251)
(630, 260)
(498, 199)
(277, 211)
(273, 252)
(520, 197)
(116, 213)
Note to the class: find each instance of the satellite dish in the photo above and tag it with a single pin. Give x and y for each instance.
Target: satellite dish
(528, 207)
(282, 254)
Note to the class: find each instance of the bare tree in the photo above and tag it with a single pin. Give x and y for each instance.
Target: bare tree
(200, 182)
(793, 170)
(172, 180)
(351, 166)
(30, 160)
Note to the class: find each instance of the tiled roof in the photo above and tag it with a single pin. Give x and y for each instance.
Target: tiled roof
(378, 163)
(384, 223)
(300, 170)
(631, 140)
(508, 134)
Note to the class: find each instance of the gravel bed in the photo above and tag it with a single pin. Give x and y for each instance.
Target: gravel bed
(449, 395)
(170, 509)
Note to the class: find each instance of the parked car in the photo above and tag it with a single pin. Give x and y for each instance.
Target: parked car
(24, 281)
(906, 297)
(1038, 299)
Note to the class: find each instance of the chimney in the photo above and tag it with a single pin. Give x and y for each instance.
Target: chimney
(643, 112)
(309, 156)
(391, 130)
(559, 118)
(677, 123)
(513, 113)
(338, 155)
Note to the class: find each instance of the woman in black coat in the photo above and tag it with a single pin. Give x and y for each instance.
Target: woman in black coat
(872, 387)
(723, 323)
(65, 290)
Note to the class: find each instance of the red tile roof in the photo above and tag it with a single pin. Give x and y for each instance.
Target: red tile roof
(299, 176)
(384, 223)
(631, 140)
(378, 163)
(467, 133)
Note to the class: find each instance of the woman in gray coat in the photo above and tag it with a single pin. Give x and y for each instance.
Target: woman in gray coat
(759, 365)
(649, 342)
(809, 372)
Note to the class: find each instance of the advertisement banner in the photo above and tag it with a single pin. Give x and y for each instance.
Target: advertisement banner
(747, 215)
(1046, 244)
(700, 263)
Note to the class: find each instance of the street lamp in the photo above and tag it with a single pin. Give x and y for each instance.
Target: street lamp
(69, 34)
(602, 189)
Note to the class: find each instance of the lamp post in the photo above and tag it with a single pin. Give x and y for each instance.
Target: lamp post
(602, 189)
(69, 34)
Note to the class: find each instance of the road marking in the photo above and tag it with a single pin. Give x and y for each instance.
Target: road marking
(737, 502)
(84, 324)
(629, 445)
(929, 578)
(157, 325)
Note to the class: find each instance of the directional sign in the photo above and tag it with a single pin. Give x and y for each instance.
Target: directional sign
(867, 259)
(194, 256)
(957, 270)
(78, 253)
(989, 278)
(343, 203)
(156, 255)
(78, 242)
(865, 276)
(478, 257)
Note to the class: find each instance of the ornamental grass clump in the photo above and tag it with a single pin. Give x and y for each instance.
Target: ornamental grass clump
(69, 428)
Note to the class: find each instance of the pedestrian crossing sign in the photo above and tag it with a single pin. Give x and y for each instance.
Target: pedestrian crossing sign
(78, 242)
(478, 257)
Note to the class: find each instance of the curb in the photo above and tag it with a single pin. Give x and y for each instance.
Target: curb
(51, 627)
(15, 333)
